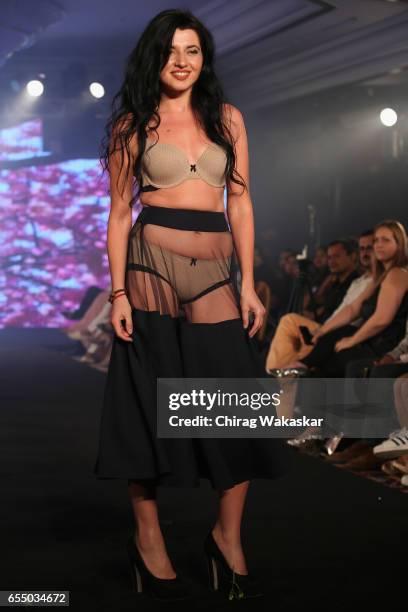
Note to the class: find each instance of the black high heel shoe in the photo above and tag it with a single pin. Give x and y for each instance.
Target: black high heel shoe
(239, 586)
(162, 589)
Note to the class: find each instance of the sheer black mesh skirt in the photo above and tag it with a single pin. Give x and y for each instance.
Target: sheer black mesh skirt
(186, 323)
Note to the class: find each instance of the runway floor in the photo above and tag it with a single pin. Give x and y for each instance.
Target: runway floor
(319, 537)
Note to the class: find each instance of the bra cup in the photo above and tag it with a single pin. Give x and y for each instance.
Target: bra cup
(211, 167)
(163, 167)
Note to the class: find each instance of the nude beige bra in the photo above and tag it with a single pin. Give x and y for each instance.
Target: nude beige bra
(166, 165)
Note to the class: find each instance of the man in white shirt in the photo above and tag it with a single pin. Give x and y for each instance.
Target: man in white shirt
(365, 247)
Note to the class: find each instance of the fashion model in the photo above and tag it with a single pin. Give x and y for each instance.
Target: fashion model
(176, 309)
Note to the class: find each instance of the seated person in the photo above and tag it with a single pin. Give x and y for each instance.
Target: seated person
(394, 365)
(288, 342)
(321, 266)
(365, 268)
(285, 277)
(392, 369)
(383, 307)
(263, 273)
(342, 256)
(318, 274)
(391, 365)
(398, 355)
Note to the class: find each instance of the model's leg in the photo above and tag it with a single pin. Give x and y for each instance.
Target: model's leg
(227, 529)
(148, 536)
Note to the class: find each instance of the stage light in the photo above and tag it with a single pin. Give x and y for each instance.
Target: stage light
(97, 90)
(388, 117)
(35, 88)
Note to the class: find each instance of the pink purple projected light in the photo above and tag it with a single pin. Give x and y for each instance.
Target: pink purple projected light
(22, 141)
(53, 222)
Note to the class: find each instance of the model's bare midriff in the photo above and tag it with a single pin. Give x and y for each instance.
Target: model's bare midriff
(192, 193)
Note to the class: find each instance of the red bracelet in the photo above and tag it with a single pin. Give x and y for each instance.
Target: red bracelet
(113, 296)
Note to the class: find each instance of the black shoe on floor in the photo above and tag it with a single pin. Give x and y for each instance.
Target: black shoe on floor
(239, 586)
(162, 589)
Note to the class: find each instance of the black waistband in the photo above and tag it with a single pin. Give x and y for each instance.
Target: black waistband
(184, 218)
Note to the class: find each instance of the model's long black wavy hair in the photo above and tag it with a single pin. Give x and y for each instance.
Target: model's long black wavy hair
(136, 102)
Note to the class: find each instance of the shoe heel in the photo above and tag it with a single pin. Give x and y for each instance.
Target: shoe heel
(238, 586)
(136, 578)
(143, 581)
(212, 573)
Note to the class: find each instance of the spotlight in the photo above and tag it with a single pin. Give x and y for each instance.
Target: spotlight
(97, 90)
(35, 88)
(388, 117)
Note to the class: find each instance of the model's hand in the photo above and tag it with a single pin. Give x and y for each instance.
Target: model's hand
(344, 343)
(250, 302)
(121, 318)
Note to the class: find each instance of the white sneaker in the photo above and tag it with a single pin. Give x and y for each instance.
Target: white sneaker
(404, 480)
(396, 445)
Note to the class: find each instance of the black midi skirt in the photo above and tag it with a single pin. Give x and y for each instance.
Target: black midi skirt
(187, 322)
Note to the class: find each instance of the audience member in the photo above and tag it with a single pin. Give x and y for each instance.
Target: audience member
(383, 307)
(289, 342)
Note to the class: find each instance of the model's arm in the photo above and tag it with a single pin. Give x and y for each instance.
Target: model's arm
(391, 293)
(119, 224)
(241, 218)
